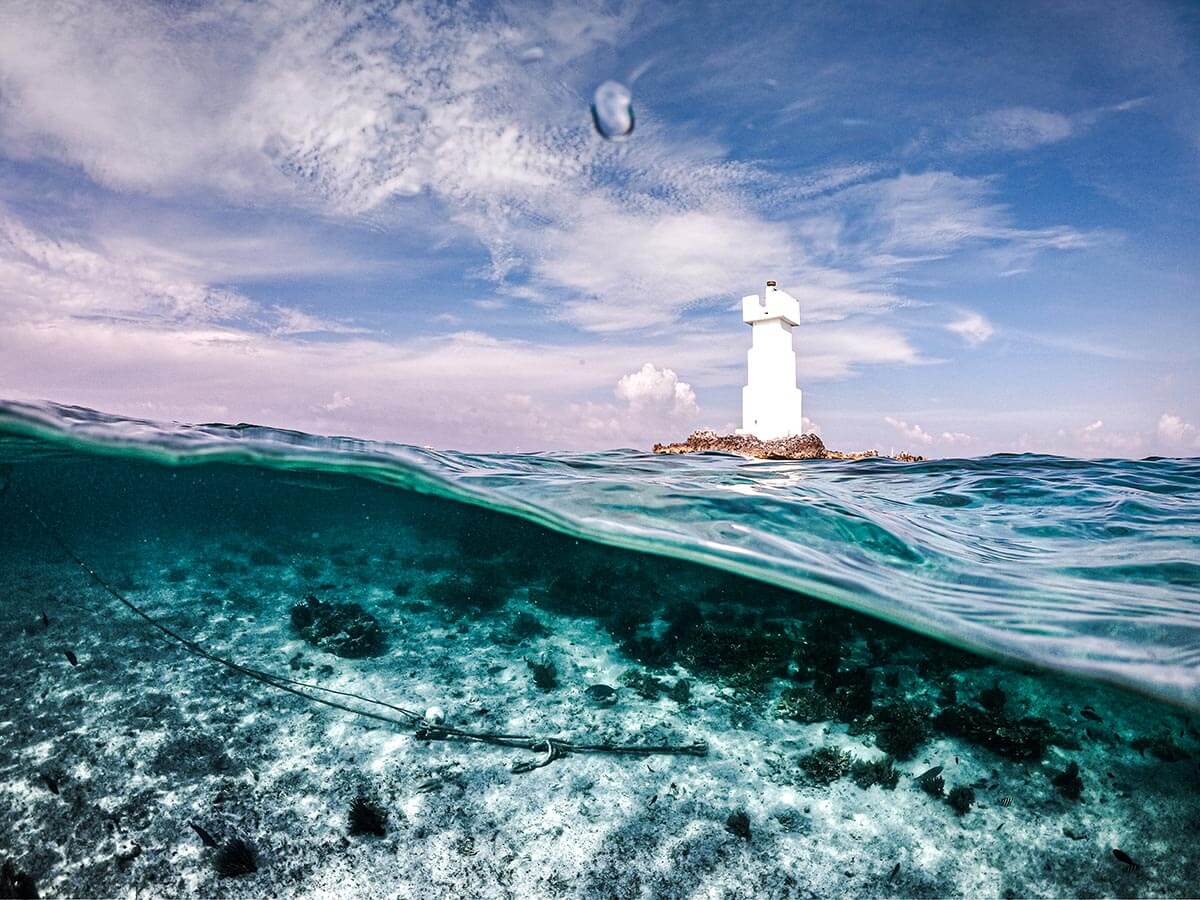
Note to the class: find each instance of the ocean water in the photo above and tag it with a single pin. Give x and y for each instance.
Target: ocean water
(953, 678)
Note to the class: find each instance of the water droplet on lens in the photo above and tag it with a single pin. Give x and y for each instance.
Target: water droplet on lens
(612, 111)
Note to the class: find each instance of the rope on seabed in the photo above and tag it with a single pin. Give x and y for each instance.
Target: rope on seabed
(552, 748)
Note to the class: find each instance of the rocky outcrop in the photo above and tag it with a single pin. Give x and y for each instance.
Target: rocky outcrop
(798, 446)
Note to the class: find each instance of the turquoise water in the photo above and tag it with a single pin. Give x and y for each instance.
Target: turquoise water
(1086, 566)
(952, 678)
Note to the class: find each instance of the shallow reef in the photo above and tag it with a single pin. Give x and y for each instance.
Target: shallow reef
(845, 757)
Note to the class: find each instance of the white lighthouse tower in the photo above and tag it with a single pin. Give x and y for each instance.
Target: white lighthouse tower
(770, 399)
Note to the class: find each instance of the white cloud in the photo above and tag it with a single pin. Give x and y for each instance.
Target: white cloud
(657, 390)
(973, 328)
(1018, 128)
(1176, 432)
(912, 432)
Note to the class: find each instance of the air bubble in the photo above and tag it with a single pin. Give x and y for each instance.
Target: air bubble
(612, 111)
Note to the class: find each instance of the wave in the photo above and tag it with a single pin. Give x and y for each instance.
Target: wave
(1088, 567)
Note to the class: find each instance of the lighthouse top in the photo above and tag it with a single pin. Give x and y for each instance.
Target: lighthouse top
(774, 304)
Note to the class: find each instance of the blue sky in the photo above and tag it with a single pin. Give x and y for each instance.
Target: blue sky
(396, 221)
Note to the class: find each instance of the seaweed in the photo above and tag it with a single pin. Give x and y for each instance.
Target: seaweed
(747, 656)
(805, 704)
(1162, 746)
(644, 685)
(367, 817)
(825, 765)
(880, 771)
(901, 727)
(16, 884)
(545, 674)
(933, 783)
(468, 591)
(961, 799)
(680, 692)
(1068, 783)
(235, 857)
(993, 699)
(738, 824)
(1021, 739)
(343, 629)
(525, 626)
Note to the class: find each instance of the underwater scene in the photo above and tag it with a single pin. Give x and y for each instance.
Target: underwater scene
(245, 662)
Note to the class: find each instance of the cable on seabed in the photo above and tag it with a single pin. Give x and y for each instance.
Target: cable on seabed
(551, 748)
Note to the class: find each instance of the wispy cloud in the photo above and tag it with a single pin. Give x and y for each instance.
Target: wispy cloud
(972, 327)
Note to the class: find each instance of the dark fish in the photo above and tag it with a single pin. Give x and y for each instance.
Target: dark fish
(51, 782)
(1006, 802)
(930, 773)
(45, 620)
(653, 800)
(895, 872)
(600, 692)
(1125, 859)
(208, 839)
(71, 657)
(1088, 713)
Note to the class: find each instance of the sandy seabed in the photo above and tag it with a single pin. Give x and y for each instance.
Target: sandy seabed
(105, 765)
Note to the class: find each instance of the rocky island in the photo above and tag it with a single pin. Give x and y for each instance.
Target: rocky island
(796, 446)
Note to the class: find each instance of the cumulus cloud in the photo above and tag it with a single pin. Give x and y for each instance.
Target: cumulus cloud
(657, 390)
(973, 328)
(912, 432)
(1175, 431)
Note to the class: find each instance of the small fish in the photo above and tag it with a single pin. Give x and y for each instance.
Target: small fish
(45, 620)
(1006, 802)
(51, 782)
(956, 760)
(1074, 835)
(1088, 713)
(653, 800)
(930, 773)
(1125, 859)
(71, 657)
(895, 872)
(207, 839)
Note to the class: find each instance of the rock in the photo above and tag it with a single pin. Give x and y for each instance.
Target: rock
(800, 446)
(797, 446)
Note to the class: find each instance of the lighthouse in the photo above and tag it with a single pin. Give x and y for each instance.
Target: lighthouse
(770, 399)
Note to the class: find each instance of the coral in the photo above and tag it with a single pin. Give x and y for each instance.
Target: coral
(15, 884)
(1068, 783)
(805, 704)
(825, 765)
(235, 857)
(901, 727)
(738, 824)
(880, 771)
(343, 629)
(367, 817)
(1024, 739)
